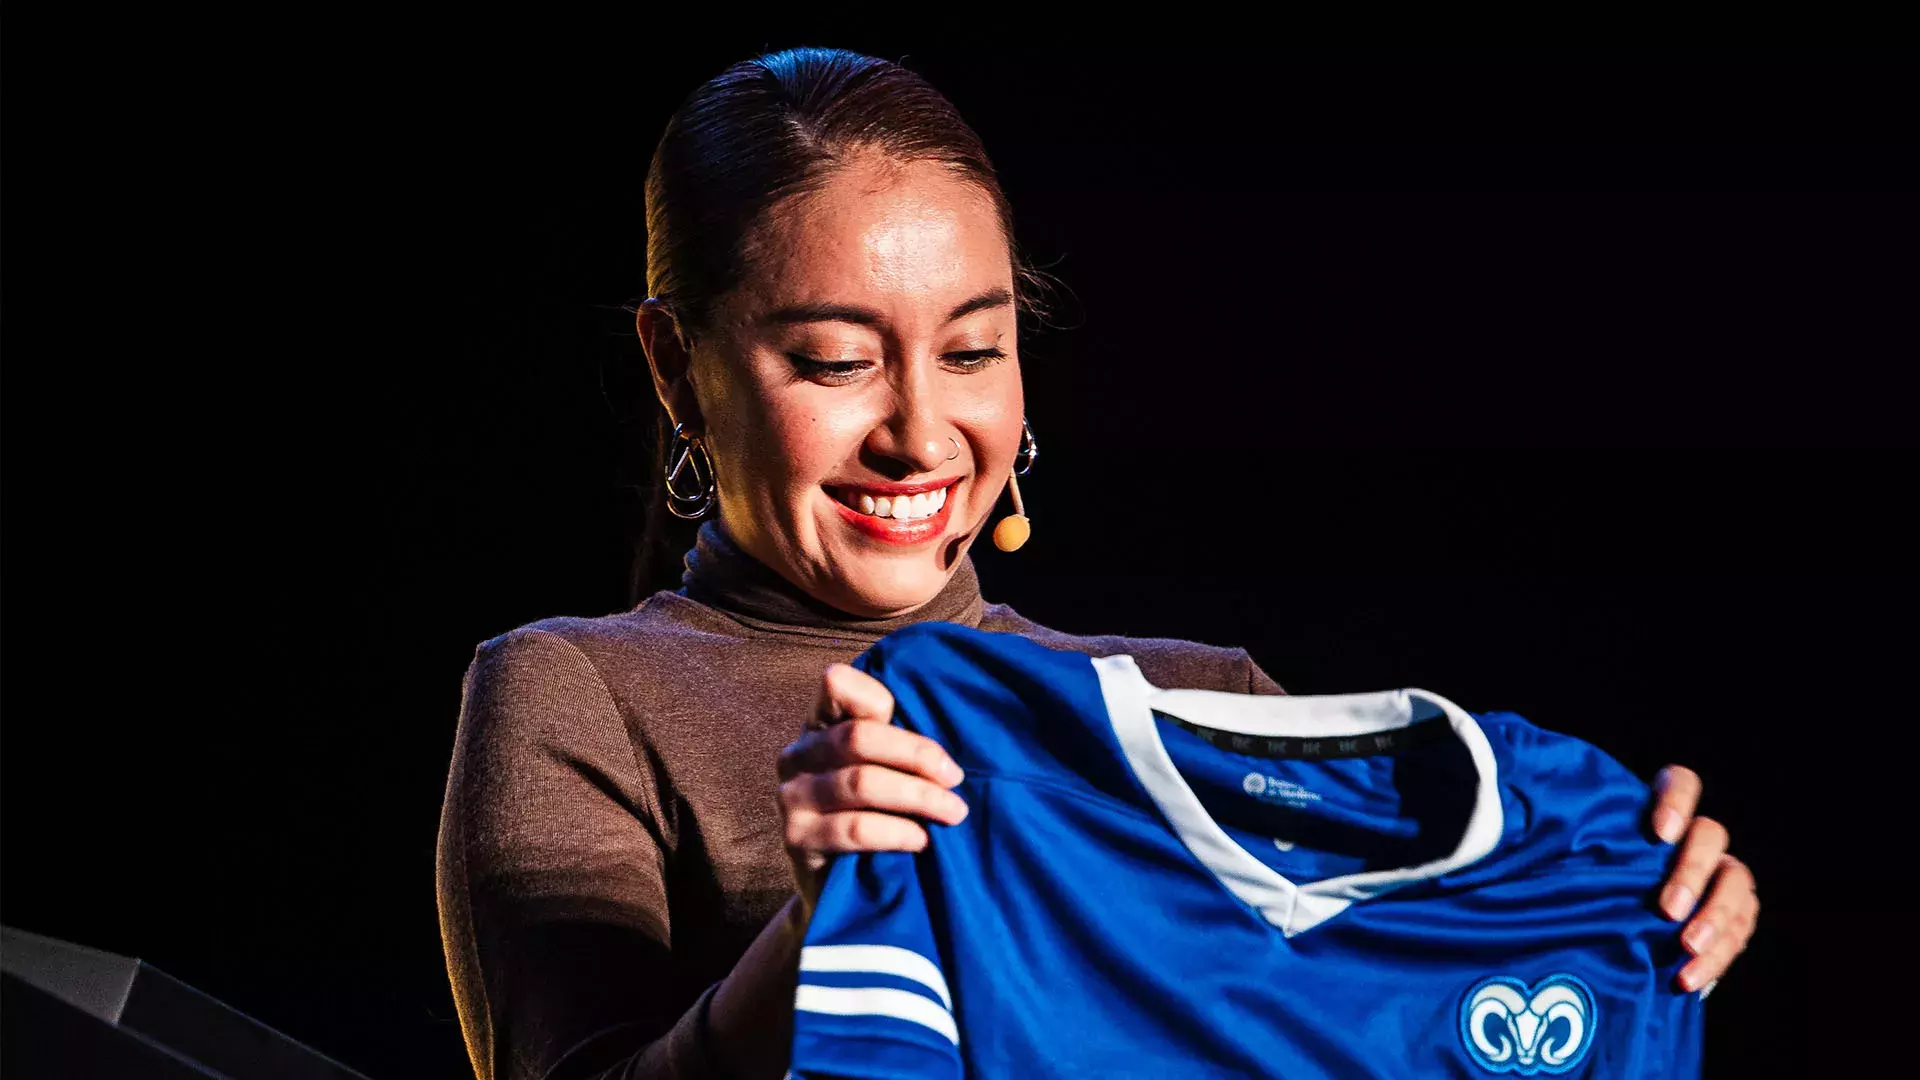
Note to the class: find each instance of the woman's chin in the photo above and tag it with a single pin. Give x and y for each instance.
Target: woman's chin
(879, 586)
(883, 568)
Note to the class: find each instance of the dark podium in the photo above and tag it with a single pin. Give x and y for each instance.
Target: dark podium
(72, 1012)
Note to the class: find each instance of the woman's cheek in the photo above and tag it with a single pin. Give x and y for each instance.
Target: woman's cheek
(804, 450)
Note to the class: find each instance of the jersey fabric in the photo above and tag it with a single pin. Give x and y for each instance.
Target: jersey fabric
(1157, 883)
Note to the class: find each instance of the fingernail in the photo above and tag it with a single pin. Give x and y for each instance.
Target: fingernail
(1668, 825)
(950, 773)
(1698, 937)
(956, 810)
(1679, 901)
(1689, 980)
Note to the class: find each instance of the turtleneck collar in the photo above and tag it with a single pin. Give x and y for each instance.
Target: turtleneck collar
(722, 575)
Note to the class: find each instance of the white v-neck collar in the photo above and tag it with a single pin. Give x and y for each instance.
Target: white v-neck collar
(1131, 700)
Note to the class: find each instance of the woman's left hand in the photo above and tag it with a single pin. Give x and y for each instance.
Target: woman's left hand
(1721, 927)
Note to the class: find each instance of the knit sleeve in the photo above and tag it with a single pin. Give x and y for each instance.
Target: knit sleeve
(551, 878)
(1258, 681)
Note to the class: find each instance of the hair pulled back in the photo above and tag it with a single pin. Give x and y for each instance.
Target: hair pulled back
(762, 131)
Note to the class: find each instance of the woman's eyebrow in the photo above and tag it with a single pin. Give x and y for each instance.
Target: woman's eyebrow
(992, 298)
(793, 314)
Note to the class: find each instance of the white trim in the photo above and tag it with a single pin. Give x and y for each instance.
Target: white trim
(1130, 701)
(876, 1001)
(878, 959)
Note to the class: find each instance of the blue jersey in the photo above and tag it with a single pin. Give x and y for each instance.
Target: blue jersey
(1157, 883)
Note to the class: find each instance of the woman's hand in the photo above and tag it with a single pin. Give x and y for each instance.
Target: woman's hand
(854, 782)
(1723, 925)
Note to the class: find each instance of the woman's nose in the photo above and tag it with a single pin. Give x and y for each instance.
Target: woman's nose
(915, 435)
(918, 451)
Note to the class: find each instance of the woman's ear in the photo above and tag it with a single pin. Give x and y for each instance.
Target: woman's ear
(670, 360)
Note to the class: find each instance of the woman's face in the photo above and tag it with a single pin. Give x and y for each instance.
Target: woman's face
(860, 391)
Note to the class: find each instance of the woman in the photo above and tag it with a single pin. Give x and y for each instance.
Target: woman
(832, 332)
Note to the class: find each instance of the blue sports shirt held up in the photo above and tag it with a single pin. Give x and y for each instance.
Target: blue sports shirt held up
(1158, 883)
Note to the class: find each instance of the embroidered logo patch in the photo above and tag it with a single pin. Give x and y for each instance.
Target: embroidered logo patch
(1510, 1027)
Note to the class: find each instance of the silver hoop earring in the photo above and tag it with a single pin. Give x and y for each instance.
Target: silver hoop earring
(689, 453)
(1030, 450)
(956, 448)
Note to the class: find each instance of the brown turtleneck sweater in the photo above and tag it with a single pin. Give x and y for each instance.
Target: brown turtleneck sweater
(610, 842)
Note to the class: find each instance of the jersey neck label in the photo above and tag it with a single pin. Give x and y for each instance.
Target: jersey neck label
(1372, 744)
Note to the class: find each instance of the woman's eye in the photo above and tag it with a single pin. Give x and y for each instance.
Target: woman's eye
(828, 369)
(977, 358)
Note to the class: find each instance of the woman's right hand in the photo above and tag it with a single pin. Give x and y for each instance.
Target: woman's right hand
(854, 782)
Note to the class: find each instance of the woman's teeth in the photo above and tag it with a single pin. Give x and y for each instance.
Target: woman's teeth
(901, 507)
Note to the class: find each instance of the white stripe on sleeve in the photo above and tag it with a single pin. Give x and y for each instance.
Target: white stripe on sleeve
(877, 1001)
(878, 959)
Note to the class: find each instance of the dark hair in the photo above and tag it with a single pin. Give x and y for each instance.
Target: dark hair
(762, 131)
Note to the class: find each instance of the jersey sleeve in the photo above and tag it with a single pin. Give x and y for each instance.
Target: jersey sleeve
(872, 1001)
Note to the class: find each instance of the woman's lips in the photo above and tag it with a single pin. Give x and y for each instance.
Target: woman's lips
(893, 530)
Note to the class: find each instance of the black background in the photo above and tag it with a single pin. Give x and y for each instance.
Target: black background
(1572, 383)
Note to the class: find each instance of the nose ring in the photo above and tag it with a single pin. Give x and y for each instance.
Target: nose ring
(956, 448)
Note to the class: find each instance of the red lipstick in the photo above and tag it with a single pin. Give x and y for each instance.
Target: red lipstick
(888, 530)
(877, 488)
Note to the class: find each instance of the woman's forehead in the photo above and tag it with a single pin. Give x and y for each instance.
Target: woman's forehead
(915, 239)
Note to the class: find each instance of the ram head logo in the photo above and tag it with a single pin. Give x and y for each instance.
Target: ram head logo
(1508, 1026)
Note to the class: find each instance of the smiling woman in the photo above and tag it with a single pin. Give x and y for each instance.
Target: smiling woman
(862, 346)
(867, 369)
(640, 805)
